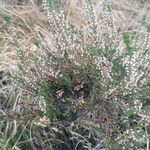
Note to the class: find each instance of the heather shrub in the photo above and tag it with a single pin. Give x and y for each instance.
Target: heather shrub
(92, 77)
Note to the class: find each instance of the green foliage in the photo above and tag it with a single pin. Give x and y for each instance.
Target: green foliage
(50, 112)
(110, 54)
(144, 18)
(144, 93)
(45, 90)
(74, 83)
(148, 28)
(36, 42)
(1, 50)
(127, 42)
(118, 71)
(54, 4)
(95, 51)
(7, 19)
(146, 109)
(66, 82)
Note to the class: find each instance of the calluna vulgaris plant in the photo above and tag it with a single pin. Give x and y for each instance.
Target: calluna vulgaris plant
(96, 78)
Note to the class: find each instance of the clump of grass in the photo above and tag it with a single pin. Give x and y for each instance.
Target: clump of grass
(97, 79)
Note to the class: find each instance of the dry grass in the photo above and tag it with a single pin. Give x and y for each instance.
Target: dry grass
(127, 14)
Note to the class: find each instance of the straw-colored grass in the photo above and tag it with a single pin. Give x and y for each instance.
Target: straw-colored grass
(127, 14)
(16, 21)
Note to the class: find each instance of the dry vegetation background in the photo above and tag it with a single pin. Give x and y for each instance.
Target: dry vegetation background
(128, 15)
(18, 16)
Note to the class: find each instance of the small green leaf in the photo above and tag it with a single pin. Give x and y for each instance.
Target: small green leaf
(118, 71)
(146, 109)
(65, 81)
(144, 18)
(66, 113)
(127, 42)
(54, 4)
(45, 90)
(7, 19)
(50, 112)
(1, 50)
(148, 28)
(95, 51)
(36, 42)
